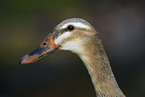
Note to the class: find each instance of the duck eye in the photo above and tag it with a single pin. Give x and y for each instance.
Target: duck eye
(70, 27)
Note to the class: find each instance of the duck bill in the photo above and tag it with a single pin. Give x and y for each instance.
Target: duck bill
(46, 47)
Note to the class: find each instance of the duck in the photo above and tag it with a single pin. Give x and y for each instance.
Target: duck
(80, 37)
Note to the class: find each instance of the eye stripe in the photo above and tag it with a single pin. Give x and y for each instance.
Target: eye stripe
(61, 37)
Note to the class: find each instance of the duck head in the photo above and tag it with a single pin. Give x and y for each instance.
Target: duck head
(71, 34)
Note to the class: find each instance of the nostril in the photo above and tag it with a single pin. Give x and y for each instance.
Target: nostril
(44, 43)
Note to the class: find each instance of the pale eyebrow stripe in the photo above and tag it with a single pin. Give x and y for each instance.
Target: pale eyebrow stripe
(79, 25)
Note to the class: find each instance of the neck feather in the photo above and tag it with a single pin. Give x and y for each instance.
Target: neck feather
(98, 66)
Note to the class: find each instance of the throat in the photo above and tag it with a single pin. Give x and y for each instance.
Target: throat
(100, 71)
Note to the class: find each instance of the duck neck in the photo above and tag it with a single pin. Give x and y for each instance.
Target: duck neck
(98, 66)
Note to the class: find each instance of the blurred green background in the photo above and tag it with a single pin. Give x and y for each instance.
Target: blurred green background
(25, 23)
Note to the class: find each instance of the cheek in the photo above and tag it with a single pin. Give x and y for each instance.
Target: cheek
(70, 46)
(73, 46)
